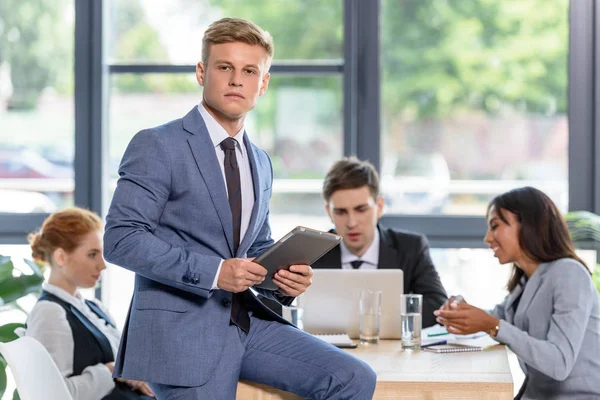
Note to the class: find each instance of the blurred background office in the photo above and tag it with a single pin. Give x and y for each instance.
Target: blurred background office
(455, 101)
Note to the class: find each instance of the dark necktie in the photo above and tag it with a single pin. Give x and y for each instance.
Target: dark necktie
(356, 264)
(239, 313)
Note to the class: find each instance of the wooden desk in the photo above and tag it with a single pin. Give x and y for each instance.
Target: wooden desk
(481, 375)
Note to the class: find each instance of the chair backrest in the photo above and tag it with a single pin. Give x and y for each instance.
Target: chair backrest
(36, 375)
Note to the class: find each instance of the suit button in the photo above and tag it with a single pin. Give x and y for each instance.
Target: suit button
(226, 302)
(185, 279)
(195, 281)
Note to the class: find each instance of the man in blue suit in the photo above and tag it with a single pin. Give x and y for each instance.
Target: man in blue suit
(191, 204)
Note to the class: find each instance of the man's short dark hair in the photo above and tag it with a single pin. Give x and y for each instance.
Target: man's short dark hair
(351, 173)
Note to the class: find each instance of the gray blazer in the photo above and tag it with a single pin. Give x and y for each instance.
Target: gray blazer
(555, 331)
(170, 223)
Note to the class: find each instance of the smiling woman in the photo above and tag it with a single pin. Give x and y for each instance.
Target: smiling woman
(551, 317)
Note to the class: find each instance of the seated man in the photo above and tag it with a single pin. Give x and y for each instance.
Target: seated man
(352, 200)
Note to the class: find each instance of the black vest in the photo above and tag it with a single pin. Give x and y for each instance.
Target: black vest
(90, 345)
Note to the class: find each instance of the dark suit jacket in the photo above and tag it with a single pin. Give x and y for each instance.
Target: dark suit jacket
(408, 251)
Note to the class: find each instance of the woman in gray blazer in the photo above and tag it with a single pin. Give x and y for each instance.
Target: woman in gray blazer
(551, 316)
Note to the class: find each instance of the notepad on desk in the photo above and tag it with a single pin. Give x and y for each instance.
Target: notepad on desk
(455, 343)
(452, 348)
(341, 340)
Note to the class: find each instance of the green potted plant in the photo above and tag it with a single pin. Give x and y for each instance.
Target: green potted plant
(584, 227)
(14, 284)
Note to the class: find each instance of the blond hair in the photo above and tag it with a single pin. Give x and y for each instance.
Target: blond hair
(229, 30)
(62, 229)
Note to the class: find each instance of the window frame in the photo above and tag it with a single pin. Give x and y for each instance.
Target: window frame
(360, 70)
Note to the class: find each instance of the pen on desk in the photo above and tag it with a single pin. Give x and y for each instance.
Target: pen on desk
(434, 343)
(437, 334)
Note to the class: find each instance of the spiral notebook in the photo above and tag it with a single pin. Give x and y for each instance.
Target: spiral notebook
(453, 348)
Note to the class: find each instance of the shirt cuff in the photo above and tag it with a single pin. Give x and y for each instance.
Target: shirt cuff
(214, 285)
(504, 334)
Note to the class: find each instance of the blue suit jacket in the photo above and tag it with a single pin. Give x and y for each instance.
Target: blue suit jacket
(170, 223)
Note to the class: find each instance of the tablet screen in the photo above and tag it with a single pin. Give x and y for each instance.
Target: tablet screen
(301, 246)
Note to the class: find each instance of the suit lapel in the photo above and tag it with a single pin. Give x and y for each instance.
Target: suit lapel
(388, 255)
(208, 164)
(98, 311)
(512, 297)
(531, 288)
(98, 335)
(257, 184)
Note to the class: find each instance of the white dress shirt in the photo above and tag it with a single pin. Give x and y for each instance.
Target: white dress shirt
(217, 135)
(48, 323)
(370, 259)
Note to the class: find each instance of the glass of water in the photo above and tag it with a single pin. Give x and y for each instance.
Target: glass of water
(411, 309)
(370, 316)
(293, 314)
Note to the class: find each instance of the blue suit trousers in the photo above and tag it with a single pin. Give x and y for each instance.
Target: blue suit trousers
(283, 357)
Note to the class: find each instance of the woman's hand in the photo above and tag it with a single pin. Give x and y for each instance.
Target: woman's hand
(139, 386)
(110, 366)
(463, 319)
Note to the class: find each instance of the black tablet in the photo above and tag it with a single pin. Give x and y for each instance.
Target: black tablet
(301, 246)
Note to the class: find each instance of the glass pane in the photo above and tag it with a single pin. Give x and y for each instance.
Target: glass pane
(473, 273)
(170, 32)
(298, 122)
(469, 110)
(478, 276)
(36, 105)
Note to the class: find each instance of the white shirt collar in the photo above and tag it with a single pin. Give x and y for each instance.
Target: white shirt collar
(371, 256)
(216, 131)
(77, 300)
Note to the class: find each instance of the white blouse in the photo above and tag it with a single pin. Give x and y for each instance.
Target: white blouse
(48, 323)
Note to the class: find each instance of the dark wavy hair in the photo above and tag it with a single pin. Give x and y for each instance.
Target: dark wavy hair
(543, 235)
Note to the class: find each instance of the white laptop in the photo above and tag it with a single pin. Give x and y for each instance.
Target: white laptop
(331, 303)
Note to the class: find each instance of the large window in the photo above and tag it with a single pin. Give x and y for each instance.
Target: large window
(298, 122)
(170, 32)
(474, 102)
(454, 102)
(36, 105)
(153, 48)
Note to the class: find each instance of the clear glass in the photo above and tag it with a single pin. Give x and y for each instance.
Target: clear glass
(293, 314)
(411, 315)
(36, 106)
(170, 32)
(370, 316)
(469, 111)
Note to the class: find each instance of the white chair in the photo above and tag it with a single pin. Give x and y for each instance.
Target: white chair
(36, 375)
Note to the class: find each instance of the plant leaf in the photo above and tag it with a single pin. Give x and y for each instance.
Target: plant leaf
(6, 268)
(7, 332)
(16, 395)
(34, 267)
(2, 380)
(17, 287)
